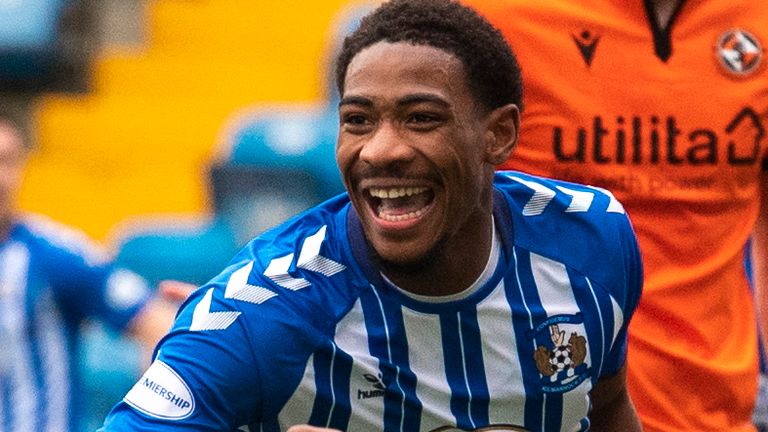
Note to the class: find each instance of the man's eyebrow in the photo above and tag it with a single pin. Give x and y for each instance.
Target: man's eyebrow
(423, 97)
(410, 99)
(355, 100)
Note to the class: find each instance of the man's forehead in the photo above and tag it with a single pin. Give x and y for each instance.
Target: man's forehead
(403, 70)
(399, 56)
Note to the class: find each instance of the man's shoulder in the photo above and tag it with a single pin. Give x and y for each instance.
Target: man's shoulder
(318, 231)
(49, 237)
(584, 227)
(299, 270)
(540, 198)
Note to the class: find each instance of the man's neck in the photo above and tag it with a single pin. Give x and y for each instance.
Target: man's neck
(452, 267)
(663, 10)
(5, 228)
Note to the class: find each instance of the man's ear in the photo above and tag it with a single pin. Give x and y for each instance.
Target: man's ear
(501, 133)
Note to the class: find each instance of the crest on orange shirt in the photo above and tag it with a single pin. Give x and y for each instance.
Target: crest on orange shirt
(739, 52)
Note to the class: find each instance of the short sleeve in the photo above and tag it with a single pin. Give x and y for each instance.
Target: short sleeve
(203, 377)
(86, 283)
(628, 298)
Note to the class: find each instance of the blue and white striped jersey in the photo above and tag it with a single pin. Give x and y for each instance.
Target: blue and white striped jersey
(51, 277)
(302, 328)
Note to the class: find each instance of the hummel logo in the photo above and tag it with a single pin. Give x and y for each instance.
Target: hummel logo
(376, 384)
(587, 42)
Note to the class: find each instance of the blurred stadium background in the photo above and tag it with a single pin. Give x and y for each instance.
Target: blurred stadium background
(171, 130)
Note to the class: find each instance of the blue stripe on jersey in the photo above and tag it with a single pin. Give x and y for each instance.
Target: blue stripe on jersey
(475, 366)
(608, 321)
(381, 322)
(464, 368)
(5, 406)
(589, 304)
(553, 404)
(332, 407)
(522, 296)
(325, 399)
(341, 367)
(453, 356)
(411, 408)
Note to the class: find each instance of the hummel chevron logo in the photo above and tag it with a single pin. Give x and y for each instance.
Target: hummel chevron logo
(238, 287)
(581, 201)
(587, 43)
(204, 319)
(309, 259)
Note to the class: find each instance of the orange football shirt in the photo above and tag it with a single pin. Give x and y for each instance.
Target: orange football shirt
(675, 124)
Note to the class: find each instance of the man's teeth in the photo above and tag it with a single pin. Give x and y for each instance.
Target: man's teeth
(384, 193)
(401, 217)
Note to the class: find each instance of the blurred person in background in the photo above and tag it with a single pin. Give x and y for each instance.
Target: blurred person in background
(51, 279)
(664, 102)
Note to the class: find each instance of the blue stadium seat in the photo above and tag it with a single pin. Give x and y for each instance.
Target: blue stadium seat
(273, 164)
(42, 45)
(295, 138)
(188, 249)
(29, 24)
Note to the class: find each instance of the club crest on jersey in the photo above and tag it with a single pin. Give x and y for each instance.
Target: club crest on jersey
(739, 52)
(561, 359)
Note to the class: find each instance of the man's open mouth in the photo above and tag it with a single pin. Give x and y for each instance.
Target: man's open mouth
(397, 204)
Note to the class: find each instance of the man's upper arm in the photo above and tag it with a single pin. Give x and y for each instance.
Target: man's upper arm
(612, 409)
(85, 281)
(627, 293)
(204, 377)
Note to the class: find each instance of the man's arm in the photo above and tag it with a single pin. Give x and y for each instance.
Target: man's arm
(156, 317)
(612, 409)
(760, 259)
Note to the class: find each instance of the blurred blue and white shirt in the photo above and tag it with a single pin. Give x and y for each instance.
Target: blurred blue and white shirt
(51, 278)
(302, 328)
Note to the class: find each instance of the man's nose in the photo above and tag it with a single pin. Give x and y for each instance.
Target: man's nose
(387, 145)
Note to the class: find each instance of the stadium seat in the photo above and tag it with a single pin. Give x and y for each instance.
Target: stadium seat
(42, 45)
(189, 249)
(274, 163)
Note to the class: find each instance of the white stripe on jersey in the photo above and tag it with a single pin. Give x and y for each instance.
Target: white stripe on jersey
(353, 339)
(602, 325)
(464, 369)
(299, 407)
(618, 320)
(554, 286)
(426, 361)
(55, 364)
(22, 394)
(498, 339)
(557, 298)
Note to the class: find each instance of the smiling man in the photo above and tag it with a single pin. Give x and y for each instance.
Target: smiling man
(435, 294)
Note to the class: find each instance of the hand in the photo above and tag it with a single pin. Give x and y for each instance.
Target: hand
(175, 291)
(308, 428)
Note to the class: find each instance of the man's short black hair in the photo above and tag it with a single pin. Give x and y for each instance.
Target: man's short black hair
(492, 71)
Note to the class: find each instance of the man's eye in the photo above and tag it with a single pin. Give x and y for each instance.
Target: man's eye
(354, 119)
(423, 118)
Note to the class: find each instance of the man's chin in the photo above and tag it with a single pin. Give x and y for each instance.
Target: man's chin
(413, 266)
